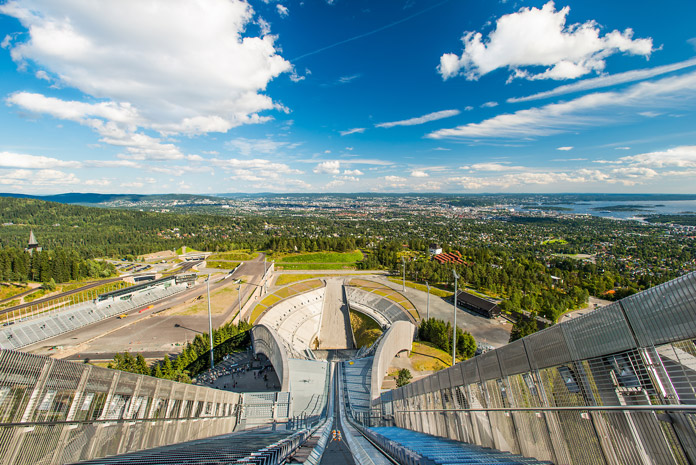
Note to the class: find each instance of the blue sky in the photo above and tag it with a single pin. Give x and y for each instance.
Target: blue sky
(454, 96)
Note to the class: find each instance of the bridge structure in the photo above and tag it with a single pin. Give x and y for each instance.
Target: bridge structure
(616, 386)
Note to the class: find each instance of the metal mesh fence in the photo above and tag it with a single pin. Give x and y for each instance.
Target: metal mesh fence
(615, 386)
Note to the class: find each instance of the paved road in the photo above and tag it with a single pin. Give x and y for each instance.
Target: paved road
(335, 332)
(494, 332)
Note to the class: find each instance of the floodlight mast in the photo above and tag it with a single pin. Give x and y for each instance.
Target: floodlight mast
(403, 264)
(454, 327)
(210, 327)
(427, 305)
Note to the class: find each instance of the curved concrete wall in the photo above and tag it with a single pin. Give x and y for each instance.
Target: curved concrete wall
(399, 337)
(266, 341)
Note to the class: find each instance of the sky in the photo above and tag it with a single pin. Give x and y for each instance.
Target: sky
(453, 96)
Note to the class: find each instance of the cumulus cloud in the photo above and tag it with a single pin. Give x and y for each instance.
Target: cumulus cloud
(328, 167)
(540, 37)
(42, 177)
(352, 131)
(565, 149)
(582, 111)
(682, 156)
(489, 105)
(282, 10)
(21, 160)
(353, 172)
(419, 174)
(421, 119)
(172, 65)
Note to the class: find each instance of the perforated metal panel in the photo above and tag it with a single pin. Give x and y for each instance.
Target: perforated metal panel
(604, 331)
(547, 348)
(665, 313)
(513, 358)
(488, 365)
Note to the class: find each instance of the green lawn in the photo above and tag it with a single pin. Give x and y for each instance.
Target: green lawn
(314, 266)
(322, 257)
(235, 255)
(224, 265)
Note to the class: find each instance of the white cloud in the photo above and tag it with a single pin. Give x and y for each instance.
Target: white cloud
(419, 174)
(582, 111)
(43, 177)
(98, 182)
(282, 10)
(348, 178)
(607, 80)
(353, 172)
(421, 119)
(489, 105)
(493, 167)
(21, 160)
(180, 66)
(683, 157)
(352, 131)
(260, 165)
(394, 179)
(75, 111)
(540, 37)
(565, 149)
(328, 167)
(249, 147)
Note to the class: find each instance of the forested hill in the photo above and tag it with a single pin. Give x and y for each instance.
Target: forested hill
(100, 231)
(94, 199)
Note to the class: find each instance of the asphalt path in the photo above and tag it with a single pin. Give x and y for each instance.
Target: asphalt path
(495, 332)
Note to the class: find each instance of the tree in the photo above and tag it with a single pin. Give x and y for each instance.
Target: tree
(403, 377)
(466, 344)
(523, 327)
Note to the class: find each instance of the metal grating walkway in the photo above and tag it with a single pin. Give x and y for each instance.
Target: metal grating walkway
(414, 447)
(226, 449)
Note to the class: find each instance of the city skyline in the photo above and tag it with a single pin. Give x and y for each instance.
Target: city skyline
(339, 96)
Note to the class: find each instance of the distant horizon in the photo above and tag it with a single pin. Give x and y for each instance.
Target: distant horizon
(626, 194)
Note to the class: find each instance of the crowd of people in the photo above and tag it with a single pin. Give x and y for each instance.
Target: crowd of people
(240, 371)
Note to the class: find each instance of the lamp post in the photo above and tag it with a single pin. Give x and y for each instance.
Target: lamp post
(210, 327)
(454, 328)
(403, 264)
(427, 304)
(239, 297)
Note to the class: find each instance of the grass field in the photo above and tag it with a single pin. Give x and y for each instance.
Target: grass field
(8, 291)
(221, 264)
(235, 255)
(321, 257)
(365, 329)
(426, 357)
(313, 266)
(179, 251)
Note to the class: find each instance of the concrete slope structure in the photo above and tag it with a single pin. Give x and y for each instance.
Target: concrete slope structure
(613, 387)
(336, 332)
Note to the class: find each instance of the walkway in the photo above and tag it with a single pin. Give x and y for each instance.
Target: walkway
(335, 332)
